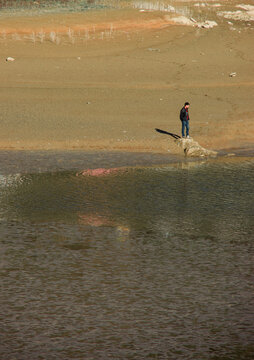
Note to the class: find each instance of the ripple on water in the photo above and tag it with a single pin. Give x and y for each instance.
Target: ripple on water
(148, 263)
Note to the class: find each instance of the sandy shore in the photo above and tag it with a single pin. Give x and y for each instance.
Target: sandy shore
(91, 81)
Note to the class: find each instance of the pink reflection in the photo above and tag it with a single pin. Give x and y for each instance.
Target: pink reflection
(122, 231)
(98, 172)
(95, 220)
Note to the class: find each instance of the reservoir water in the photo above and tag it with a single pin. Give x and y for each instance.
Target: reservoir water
(149, 262)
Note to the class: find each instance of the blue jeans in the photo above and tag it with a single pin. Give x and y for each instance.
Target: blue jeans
(185, 124)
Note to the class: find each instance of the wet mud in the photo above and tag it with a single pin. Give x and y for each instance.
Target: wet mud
(102, 78)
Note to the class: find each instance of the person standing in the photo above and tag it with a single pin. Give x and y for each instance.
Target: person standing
(184, 117)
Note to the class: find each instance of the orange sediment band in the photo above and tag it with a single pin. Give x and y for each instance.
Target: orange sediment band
(124, 25)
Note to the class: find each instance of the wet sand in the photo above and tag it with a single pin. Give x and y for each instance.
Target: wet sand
(91, 81)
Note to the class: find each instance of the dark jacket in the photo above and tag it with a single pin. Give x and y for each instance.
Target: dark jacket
(183, 114)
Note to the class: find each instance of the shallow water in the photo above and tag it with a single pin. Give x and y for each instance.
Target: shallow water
(35, 8)
(146, 263)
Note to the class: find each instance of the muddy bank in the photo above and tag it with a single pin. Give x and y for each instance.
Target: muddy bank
(96, 85)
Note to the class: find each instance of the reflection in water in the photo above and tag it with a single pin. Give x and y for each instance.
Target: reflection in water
(97, 220)
(99, 172)
(179, 284)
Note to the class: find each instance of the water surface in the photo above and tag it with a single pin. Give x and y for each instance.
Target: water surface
(146, 263)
